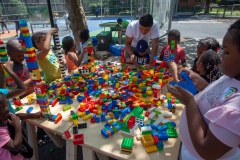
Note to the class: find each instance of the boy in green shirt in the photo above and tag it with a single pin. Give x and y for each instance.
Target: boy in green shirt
(122, 25)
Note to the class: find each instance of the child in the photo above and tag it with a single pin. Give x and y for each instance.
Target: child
(14, 51)
(141, 53)
(73, 62)
(84, 37)
(208, 67)
(205, 44)
(45, 57)
(208, 126)
(180, 54)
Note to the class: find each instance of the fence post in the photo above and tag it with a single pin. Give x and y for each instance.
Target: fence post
(170, 16)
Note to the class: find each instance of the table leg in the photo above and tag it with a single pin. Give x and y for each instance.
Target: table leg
(55, 139)
(32, 140)
(71, 151)
(88, 154)
(120, 37)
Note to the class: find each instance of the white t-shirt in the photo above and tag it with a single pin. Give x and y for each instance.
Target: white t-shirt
(82, 46)
(65, 17)
(133, 31)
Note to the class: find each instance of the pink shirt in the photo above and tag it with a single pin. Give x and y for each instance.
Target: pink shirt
(219, 105)
(179, 52)
(5, 154)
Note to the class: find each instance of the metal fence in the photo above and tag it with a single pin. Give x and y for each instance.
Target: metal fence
(107, 11)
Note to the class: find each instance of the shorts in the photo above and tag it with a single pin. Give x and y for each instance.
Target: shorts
(3, 24)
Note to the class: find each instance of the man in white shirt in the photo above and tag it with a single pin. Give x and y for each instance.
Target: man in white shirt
(143, 29)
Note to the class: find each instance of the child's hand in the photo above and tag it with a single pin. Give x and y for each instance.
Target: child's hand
(183, 95)
(192, 75)
(13, 120)
(173, 65)
(37, 115)
(53, 31)
(85, 51)
(133, 59)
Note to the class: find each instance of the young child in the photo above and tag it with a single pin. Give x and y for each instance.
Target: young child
(84, 37)
(208, 43)
(45, 57)
(141, 53)
(73, 61)
(208, 66)
(14, 51)
(208, 126)
(180, 54)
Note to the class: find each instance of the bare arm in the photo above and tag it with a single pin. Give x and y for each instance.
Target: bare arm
(128, 45)
(21, 88)
(78, 61)
(47, 44)
(23, 116)
(2, 78)
(154, 49)
(14, 145)
(174, 71)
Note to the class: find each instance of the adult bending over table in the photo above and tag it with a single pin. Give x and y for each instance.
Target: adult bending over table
(143, 29)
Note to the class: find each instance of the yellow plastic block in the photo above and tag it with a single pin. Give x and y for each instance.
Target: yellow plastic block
(111, 115)
(75, 122)
(147, 140)
(149, 93)
(150, 149)
(110, 121)
(81, 114)
(169, 95)
(87, 117)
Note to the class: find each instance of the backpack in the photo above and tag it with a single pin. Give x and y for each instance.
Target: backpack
(26, 150)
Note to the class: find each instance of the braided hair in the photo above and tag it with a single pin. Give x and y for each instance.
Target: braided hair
(67, 44)
(211, 62)
(235, 30)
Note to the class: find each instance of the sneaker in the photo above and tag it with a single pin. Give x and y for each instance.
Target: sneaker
(8, 31)
(2, 32)
(40, 142)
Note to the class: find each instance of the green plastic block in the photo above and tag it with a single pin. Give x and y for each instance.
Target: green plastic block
(169, 99)
(127, 143)
(157, 112)
(144, 95)
(74, 116)
(172, 133)
(152, 121)
(160, 148)
(169, 125)
(146, 132)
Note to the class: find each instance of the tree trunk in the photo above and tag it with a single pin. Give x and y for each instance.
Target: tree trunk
(207, 6)
(77, 19)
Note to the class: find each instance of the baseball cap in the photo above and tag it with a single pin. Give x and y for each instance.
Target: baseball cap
(142, 46)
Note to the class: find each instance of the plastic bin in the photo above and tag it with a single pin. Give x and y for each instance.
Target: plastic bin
(116, 49)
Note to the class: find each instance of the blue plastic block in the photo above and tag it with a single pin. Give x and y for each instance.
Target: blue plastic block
(160, 144)
(186, 78)
(154, 133)
(29, 110)
(162, 135)
(173, 124)
(104, 107)
(116, 115)
(187, 87)
(67, 78)
(87, 111)
(97, 120)
(169, 105)
(104, 133)
(54, 117)
(32, 65)
(93, 115)
(109, 107)
(102, 118)
(62, 101)
(68, 90)
(111, 130)
(114, 124)
(114, 103)
(163, 128)
(68, 97)
(107, 125)
(80, 98)
(104, 114)
(69, 101)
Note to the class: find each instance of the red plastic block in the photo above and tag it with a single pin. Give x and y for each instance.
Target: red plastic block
(54, 102)
(147, 114)
(131, 122)
(156, 140)
(78, 139)
(93, 120)
(67, 134)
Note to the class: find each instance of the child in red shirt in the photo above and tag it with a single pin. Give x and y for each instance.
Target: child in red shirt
(180, 54)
